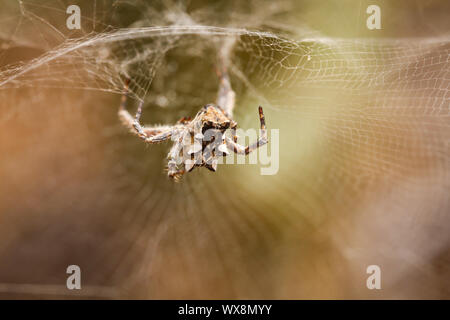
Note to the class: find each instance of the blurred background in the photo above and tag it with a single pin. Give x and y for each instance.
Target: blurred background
(364, 174)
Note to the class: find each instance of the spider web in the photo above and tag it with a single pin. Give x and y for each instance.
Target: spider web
(364, 148)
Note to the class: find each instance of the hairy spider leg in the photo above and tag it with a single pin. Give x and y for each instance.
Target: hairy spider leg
(237, 148)
(226, 98)
(151, 134)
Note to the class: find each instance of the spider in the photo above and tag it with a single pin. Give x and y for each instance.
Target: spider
(198, 142)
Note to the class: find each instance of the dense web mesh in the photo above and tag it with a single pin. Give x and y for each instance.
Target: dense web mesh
(364, 148)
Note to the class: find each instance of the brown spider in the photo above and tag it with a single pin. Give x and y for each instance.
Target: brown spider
(198, 142)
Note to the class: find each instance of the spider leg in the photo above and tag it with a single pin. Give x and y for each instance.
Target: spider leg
(173, 171)
(237, 148)
(151, 134)
(225, 95)
(124, 115)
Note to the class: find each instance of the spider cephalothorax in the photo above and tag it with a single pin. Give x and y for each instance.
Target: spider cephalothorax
(198, 142)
